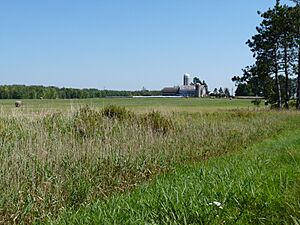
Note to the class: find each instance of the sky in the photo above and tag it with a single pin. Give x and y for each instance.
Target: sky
(125, 44)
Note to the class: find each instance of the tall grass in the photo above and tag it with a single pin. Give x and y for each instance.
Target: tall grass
(258, 185)
(50, 161)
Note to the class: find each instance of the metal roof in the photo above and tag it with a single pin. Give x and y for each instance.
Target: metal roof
(187, 88)
(170, 89)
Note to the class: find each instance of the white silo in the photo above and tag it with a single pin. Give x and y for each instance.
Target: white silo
(186, 79)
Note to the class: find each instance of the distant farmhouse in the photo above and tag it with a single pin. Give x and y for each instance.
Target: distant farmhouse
(188, 89)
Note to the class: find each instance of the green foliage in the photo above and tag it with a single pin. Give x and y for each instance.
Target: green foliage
(275, 48)
(227, 92)
(196, 80)
(220, 93)
(293, 103)
(41, 92)
(244, 90)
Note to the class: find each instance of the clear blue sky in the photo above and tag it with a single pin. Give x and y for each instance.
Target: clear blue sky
(125, 44)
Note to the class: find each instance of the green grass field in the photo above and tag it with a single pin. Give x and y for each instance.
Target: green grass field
(156, 161)
(142, 104)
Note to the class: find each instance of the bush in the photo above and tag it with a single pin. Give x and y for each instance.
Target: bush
(293, 103)
(116, 112)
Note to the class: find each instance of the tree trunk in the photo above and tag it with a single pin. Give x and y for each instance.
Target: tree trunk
(278, 90)
(286, 72)
(298, 86)
(298, 38)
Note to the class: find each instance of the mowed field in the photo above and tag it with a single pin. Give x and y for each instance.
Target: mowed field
(148, 161)
(140, 104)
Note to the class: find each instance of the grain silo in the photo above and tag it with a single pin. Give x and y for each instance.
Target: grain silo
(186, 79)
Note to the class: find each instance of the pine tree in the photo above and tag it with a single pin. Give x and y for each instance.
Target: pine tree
(265, 46)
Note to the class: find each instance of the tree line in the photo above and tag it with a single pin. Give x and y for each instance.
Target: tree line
(38, 92)
(275, 74)
(220, 93)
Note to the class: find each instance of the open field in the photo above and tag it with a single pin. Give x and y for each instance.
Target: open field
(140, 104)
(63, 161)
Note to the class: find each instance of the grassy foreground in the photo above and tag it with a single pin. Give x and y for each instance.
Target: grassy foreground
(54, 164)
(260, 185)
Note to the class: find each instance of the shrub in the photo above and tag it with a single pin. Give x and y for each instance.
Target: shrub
(293, 103)
(116, 112)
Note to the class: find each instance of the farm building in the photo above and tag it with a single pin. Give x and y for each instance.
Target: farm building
(187, 89)
(170, 91)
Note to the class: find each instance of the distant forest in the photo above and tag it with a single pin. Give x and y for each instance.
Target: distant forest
(38, 92)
